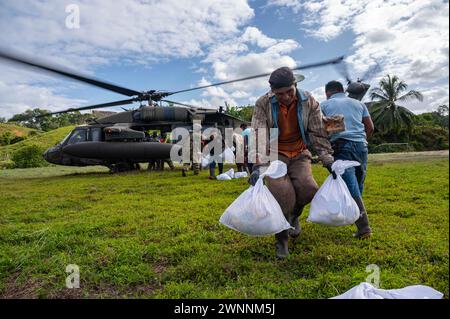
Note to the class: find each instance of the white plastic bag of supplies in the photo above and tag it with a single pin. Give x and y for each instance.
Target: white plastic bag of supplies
(224, 177)
(333, 205)
(256, 212)
(228, 175)
(228, 156)
(206, 160)
(366, 291)
(240, 175)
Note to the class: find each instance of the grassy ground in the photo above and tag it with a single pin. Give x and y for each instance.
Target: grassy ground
(15, 130)
(157, 235)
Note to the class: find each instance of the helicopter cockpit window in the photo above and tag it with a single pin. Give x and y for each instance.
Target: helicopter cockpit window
(77, 137)
(63, 142)
(95, 134)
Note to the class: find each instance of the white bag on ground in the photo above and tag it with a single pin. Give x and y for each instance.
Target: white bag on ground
(366, 291)
(240, 175)
(228, 175)
(256, 212)
(224, 177)
(333, 205)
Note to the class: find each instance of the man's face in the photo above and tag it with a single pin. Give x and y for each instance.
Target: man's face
(285, 95)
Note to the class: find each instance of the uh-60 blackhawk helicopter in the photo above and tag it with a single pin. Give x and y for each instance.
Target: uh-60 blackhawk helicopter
(119, 141)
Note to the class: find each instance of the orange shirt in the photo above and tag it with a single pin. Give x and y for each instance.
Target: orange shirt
(290, 143)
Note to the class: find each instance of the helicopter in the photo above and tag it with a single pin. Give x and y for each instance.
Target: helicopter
(358, 89)
(119, 141)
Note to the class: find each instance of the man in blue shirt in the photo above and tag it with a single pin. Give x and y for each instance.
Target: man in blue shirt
(351, 144)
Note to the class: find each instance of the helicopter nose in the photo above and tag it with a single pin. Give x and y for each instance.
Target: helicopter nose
(52, 155)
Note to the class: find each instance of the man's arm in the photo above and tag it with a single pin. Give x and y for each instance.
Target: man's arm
(368, 126)
(317, 133)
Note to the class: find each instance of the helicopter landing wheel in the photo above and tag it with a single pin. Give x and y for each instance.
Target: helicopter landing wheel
(121, 167)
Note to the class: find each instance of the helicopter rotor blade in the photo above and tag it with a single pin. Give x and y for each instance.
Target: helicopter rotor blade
(90, 107)
(342, 68)
(371, 72)
(337, 60)
(16, 58)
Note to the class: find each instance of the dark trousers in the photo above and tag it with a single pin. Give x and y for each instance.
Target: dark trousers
(212, 166)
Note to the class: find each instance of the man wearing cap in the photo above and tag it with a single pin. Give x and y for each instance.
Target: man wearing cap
(298, 117)
(351, 145)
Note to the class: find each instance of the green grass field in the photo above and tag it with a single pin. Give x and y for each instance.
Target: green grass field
(157, 235)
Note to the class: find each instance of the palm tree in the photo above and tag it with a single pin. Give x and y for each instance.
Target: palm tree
(386, 114)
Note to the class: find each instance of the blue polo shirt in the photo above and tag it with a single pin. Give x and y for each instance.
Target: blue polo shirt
(353, 112)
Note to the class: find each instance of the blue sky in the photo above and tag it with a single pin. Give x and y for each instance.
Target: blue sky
(172, 45)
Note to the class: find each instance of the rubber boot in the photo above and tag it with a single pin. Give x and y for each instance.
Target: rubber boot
(212, 171)
(362, 224)
(293, 220)
(195, 168)
(171, 166)
(281, 244)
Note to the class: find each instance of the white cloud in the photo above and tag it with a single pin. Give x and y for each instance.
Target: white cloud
(295, 5)
(150, 29)
(20, 97)
(123, 32)
(407, 38)
(256, 37)
(319, 94)
(433, 97)
(251, 53)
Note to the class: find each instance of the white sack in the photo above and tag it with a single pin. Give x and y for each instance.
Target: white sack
(206, 160)
(228, 156)
(230, 173)
(256, 212)
(366, 291)
(224, 177)
(333, 205)
(240, 175)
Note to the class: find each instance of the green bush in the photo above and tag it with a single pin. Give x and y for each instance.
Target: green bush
(6, 164)
(29, 156)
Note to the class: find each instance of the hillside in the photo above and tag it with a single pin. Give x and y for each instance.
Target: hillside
(15, 130)
(44, 140)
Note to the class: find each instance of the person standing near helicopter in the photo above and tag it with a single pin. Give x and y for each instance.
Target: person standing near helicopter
(194, 159)
(296, 115)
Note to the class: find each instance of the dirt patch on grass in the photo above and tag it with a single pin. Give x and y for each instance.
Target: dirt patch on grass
(409, 156)
(14, 289)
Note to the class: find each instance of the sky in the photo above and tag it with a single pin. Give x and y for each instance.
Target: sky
(173, 45)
